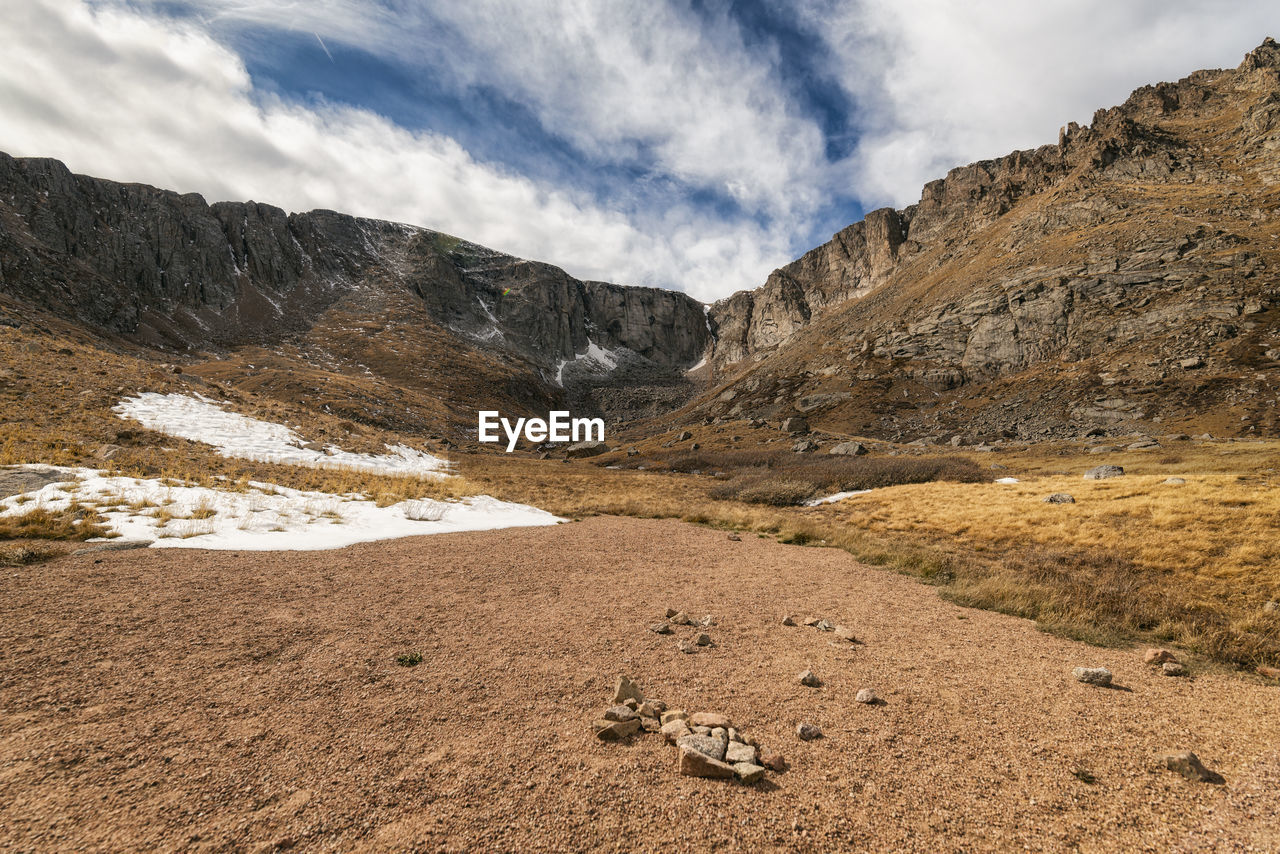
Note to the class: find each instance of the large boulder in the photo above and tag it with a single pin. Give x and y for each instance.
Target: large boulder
(795, 424)
(586, 449)
(1103, 472)
(849, 449)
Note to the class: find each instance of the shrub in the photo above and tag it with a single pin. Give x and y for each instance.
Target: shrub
(409, 659)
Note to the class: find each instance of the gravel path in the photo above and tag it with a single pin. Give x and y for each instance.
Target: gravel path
(243, 701)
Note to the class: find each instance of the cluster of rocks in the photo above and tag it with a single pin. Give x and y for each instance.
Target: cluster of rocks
(1166, 661)
(688, 645)
(707, 744)
(823, 625)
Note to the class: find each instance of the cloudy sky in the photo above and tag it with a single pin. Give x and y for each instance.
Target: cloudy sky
(694, 145)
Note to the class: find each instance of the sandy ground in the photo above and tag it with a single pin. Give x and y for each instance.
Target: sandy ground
(185, 700)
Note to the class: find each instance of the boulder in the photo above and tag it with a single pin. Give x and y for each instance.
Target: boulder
(1189, 765)
(1103, 472)
(848, 449)
(1099, 676)
(1191, 363)
(1174, 481)
(805, 446)
(586, 449)
(684, 436)
(1059, 498)
(795, 424)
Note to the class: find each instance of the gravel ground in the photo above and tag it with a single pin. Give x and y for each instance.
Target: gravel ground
(251, 701)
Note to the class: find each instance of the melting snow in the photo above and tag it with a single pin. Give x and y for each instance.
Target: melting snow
(596, 358)
(263, 517)
(203, 420)
(695, 367)
(839, 496)
(1006, 480)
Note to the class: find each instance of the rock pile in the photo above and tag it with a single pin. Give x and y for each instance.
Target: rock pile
(688, 645)
(823, 625)
(707, 744)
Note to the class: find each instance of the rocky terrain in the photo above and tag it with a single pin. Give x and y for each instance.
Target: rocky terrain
(1122, 278)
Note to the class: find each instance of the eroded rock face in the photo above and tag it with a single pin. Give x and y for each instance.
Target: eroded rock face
(982, 281)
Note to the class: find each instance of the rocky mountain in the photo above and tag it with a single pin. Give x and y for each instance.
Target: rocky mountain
(1124, 277)
(172, 272)
(1121, 280)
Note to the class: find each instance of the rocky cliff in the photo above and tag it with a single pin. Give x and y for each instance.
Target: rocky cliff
(1096, 271)
(170, 271)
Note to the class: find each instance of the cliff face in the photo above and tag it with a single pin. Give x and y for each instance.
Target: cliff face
(171, 271)
(1133, 246)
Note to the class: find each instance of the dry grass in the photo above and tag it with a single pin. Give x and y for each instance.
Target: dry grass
(26, 554)
(76, 522)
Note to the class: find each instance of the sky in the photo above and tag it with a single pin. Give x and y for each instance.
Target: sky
(691, 145)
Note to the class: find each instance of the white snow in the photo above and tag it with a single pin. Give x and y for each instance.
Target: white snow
(1006, 480)
(699, 365)
(203, 420)
(839, 496)
(263, 517)
(596, 358)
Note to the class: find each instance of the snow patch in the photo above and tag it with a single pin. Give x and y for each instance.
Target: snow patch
(1006, 480)
(832, 499)
(596, 359)
(701, 364)
(203, 420)
(263, 517)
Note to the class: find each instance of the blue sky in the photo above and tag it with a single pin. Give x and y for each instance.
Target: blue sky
(695, 145)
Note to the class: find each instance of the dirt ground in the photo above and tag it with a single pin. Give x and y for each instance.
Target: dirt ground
(189, 700)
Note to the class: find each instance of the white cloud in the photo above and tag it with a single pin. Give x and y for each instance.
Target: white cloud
(942, 84)
(134, 97)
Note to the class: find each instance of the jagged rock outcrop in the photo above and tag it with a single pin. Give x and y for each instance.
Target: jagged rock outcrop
(1089, 270)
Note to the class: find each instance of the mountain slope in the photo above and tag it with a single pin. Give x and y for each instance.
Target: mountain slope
(170, 272)
(1123, 277)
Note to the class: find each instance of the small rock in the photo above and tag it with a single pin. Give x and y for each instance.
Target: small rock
(1158, 656)
(738, 752)
(813, 621)
(1191, 363)
(1271, 607)
(1103, 472)
(1059, 498)
(1269, 672)
(1099, 676)
(675, 730)
(707, 745)
(671, 612)
(686, 647)
(1173, 668)
(620, 713)
(1189, 766)
(626, 689)
(748, 772)
(684, 436)
(788, 620)
(706, 621)
(702, 730)
(848, 449)
(809, 680)
(651, 708)
(824, 626)
(867, 696)
(808, 732)
(674, 715)
(734, 538)
(616, 730)
(720, 732)
(631, 703)
(1174, 481)
(703, 639)
(1102, 449)
(845, 634)
(694, 763)
(773, 760)
(663, 628)
(709, 719)
(734, 735)
(682, 619)
(650, 724)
